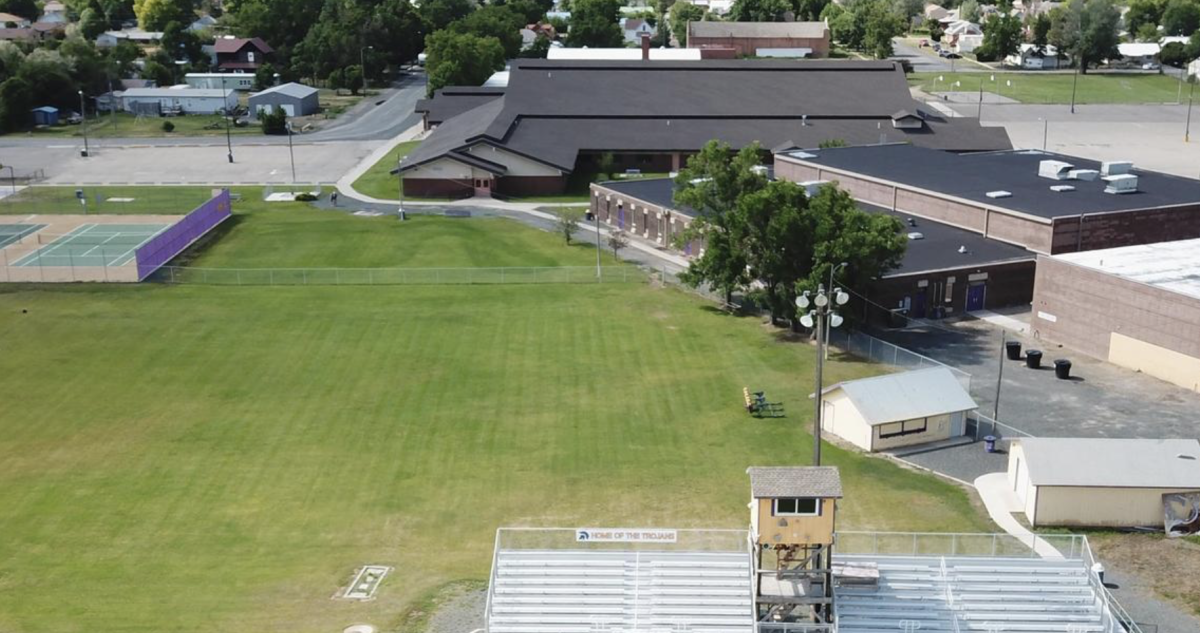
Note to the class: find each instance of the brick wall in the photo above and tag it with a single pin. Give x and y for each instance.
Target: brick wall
(641, 220)
(1086, 306)
(1110, 230)
(1008, 284)
(747, 46)
(531, 185)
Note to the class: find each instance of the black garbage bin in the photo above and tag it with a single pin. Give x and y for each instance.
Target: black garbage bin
(1033, 359)
(989, 443)
(1062, 369)
(1014, 350)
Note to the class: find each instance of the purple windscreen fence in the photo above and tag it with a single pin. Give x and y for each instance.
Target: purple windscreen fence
(166, 245)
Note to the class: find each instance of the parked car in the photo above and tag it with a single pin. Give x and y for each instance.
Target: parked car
(923, 44)
(953, 55)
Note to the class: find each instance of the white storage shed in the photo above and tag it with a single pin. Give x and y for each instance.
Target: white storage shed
(1100, 482)
(154, 101)
(895, 410)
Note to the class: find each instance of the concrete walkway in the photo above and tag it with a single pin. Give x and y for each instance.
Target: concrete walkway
(1001, 503)
(1003, 320)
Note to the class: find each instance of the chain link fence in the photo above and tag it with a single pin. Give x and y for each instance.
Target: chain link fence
(399, 276)
(868, 347)
(108, 200)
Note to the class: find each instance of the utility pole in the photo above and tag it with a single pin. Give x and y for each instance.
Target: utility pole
(979, 113)
(291, 154)
(1187, 130)
(1075, 81)
(228, 137)
(822, 319)
(1000, 374)
(83, 115)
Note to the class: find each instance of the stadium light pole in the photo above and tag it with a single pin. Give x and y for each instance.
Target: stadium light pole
(83, 115)
(228, 136)
(832, 270)
(291, 154)
(822, 318)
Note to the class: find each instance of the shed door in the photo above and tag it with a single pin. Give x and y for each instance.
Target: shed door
(1022, 480)
(288, 109)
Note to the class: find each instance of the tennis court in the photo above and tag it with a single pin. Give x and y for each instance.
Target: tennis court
(10, 233)
(92, 245)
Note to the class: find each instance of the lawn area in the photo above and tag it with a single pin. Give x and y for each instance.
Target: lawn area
(125, 125)
(377, 182)
(197, 458)
(115, 200)
(1056, 87)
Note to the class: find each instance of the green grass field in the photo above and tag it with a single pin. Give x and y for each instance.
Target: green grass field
(104, 199)
(1056, 87)
(125, 125)
(196, 458)
(377, 182)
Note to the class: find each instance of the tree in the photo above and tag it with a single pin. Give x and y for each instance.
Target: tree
(538, 50)
(48, 75)
(494, 21)
(936, 31)
(181, 43)
(154, 15)
(460, 59)
(16, 100)
(24, 8)
(881, 25)
(1181, 17)
(908, 9)
(1146, 33)
(156, 72)
(712, 183)
(1087, 29)
(872, 243)
(92, 23)
(1174, 55)
(776, 235)
(531, 11)
(969, 11)
(353, 78)
(281, 23)
(567, 224)
(1002, 34)
(594, 24)
(1143, 13)
(760, 10)
(810, 10)
(682, 13)
(1040, 32)
(606, 164)
(274, 121)
(264, 77)
(438, 14)
(616, 241)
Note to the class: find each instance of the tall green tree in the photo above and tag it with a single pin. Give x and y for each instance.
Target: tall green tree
(154, 15)
(283, 24)
(1002, 35)
(531, 11)
(872, 243)
(27, 9)
(594, 24)
(761, 10)
(775, 232)
(16, 100)
(1039, 31)
(1142, 13)
(495, 21)
(711, 183)
(92, 23)
(881, 24)
(969, 10)
(438, 14)
(460, 59)
(1181, 17)
(681, 13)
(1087, 29)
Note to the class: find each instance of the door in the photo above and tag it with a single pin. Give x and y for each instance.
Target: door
(483, 187)
(918, 306)
(620, 217)
(975, 297)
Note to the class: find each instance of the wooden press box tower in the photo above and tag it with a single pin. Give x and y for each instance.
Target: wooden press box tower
(793, 514)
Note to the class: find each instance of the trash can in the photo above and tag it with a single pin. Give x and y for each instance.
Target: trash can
(1033, 359)
(989, 443)
(1013, 348)
(1062, 369)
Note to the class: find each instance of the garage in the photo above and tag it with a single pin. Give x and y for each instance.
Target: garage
(1100, 482)
(292, 98)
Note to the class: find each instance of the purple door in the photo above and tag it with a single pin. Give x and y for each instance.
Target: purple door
(620, 217)
(975, 295)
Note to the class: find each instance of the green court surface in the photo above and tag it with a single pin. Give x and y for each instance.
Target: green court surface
(92, 245)
(10, 233)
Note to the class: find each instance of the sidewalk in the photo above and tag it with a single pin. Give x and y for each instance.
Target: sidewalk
(1001, 504)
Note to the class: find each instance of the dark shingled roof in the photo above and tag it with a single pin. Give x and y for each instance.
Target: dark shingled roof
(554, 109)
(972, 176)
(936, 250)
(450, 102)
(795, 481)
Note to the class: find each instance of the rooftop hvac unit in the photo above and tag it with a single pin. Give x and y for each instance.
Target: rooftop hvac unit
(1062, 188)
(916, 236)
(1054, 169)
(1115, 167)
(999, 194)
(1084, 174)
(1123, 183)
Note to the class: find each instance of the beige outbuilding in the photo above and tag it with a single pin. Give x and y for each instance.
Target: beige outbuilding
(895, 410)
(1100, 482)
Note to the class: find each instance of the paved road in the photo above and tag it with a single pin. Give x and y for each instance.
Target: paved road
(925, 63)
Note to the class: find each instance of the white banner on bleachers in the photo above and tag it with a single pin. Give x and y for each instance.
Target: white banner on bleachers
(624, 535)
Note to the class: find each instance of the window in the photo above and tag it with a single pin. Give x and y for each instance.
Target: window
(801, 507)
(250, 56)
(896, 429)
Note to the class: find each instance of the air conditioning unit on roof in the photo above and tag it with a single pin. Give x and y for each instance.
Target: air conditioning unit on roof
(1054, 169)
(1123, 183)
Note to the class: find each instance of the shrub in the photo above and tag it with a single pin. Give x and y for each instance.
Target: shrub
(168, 127)
(305, 197)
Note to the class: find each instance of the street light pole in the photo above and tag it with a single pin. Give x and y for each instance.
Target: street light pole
(291, 154)
(1187, 130)
(228, 137)
(832, 270)
(823, 319)
(362, 66)
(596, 220)
(979, 113)
(400, 182)
(1000, 375)
(1075, 81)
(83, 115)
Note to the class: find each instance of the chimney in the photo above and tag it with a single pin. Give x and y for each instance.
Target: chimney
(645, 47)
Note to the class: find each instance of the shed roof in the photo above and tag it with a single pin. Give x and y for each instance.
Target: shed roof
(795, 481)
(807, 30)
(290, 89)
(1112, 463)
(906, 395)
(191, 93)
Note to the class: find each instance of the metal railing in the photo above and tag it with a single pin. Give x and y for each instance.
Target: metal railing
(980, 426)
(1114, 618)
(693, 540)
(397, 276)
(795, 627)
(998, 545)
(866, 346)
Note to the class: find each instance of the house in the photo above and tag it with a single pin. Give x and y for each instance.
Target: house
(1091, 482)
(532, 32)
(19, 35)
(293, 98)
(109, 39)
(716, 7)
(240, 54)
(895, 410)
(635, 28)
(45, 115)
(54, 12)
(1139, 54)
(157, 101)
(559, 116)
(10, 21)
(203, 23)
(747, 39)
(963, 36)
(243, 82)
(935, 12)
(1030, 57)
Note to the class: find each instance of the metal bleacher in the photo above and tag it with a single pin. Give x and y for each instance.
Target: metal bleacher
(595, 591)
(961, 594)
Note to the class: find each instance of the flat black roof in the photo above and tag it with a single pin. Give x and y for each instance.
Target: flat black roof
(972, 176)
(936, 250)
